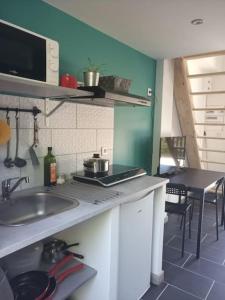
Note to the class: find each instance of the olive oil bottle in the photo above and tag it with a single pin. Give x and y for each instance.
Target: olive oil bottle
(50, 175)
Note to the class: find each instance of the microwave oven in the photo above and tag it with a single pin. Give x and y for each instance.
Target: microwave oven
(28, 55)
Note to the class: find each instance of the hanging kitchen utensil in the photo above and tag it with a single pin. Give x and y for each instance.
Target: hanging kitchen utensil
(33, 155)
(5, 132)
(8, 162)
(35, 285)
(19, 162)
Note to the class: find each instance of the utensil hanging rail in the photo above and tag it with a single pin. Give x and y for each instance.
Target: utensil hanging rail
(35, 111)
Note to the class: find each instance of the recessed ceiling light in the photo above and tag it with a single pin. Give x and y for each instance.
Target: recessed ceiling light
(197, 21)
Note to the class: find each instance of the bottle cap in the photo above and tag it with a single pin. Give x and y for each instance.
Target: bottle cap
(50, 148)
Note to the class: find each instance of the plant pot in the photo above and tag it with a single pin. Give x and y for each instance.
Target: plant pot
(91, 78)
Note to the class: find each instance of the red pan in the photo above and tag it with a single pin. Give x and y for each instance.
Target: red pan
(34, 285)
(57, 279)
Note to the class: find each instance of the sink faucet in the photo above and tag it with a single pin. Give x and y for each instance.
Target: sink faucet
(7, 189)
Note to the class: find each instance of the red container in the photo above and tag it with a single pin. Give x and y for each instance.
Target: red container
(69, 81)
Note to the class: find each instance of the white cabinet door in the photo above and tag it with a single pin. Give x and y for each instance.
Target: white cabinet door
(135, 248)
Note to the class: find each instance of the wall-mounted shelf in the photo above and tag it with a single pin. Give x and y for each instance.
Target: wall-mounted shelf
(11, 85)
(26, 88)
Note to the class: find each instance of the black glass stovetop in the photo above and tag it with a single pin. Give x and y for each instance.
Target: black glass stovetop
(115, 175)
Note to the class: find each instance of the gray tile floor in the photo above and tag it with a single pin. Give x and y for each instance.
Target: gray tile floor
(187, 278)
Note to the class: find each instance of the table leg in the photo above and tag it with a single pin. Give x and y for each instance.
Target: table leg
(200, 219)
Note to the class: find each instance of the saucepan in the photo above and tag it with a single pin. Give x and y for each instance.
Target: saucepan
(96, 164)
(55, 249)
(40, 285)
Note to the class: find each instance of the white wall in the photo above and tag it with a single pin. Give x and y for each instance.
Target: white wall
(75, 131)
(170, 125)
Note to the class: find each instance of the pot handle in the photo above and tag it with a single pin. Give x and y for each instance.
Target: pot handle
(53, 270)
(68, 272)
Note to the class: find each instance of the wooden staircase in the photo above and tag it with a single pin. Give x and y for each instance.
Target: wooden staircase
(199, 91)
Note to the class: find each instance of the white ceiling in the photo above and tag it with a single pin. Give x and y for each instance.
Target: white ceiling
(158, 28)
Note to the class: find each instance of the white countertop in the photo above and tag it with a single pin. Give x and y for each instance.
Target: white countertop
(15, 238)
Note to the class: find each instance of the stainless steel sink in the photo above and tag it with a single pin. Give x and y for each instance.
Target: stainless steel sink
(25, 209)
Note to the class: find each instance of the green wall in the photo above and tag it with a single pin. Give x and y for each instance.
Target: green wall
(78, 41)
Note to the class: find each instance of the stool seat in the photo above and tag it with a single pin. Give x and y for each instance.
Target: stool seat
(176, 208)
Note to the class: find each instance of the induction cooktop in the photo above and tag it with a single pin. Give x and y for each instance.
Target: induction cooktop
(115, 175)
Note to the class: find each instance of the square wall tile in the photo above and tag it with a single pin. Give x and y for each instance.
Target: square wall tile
(94, 116)
(63, 141)
(85, 140)
(64, 117)
(105, 138)
(66, 164)
(36, 175)
(27, 119)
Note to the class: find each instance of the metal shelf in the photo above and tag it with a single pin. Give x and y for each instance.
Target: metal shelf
(32, 89)
(10, 85)
(73, 282)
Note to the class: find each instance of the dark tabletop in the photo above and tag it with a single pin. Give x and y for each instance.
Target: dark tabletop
(196, 179)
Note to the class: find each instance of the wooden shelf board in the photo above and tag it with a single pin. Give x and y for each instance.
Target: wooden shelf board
(207, 93)
(201, 75)
(213, 162)
(211, 150)
(207, 108)
(210, 137)
(210, 124)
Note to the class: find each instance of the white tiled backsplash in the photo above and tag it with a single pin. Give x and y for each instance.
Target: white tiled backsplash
(74, 131)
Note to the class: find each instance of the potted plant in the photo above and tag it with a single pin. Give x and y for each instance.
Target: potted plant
(91, 73)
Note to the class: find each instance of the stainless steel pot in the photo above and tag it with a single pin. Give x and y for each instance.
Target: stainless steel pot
(96, 164)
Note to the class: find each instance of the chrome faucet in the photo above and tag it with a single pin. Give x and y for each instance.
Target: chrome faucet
(7, 189)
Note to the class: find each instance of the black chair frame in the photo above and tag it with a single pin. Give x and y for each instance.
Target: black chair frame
(180, 208)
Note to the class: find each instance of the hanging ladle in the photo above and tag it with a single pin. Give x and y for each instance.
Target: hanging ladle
(19, 162)
(8, 162)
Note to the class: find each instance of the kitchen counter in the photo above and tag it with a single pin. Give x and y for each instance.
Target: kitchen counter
(15, 238)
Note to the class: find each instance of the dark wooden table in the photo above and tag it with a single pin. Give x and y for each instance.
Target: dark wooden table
(200, 181)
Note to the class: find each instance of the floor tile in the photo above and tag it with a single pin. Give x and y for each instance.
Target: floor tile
(189, 246)
(172, 293)
(174, 256)
(211, 241)
(206, 268)
(213, 254)
(217, 292)
(188, 281)
(154, 292)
